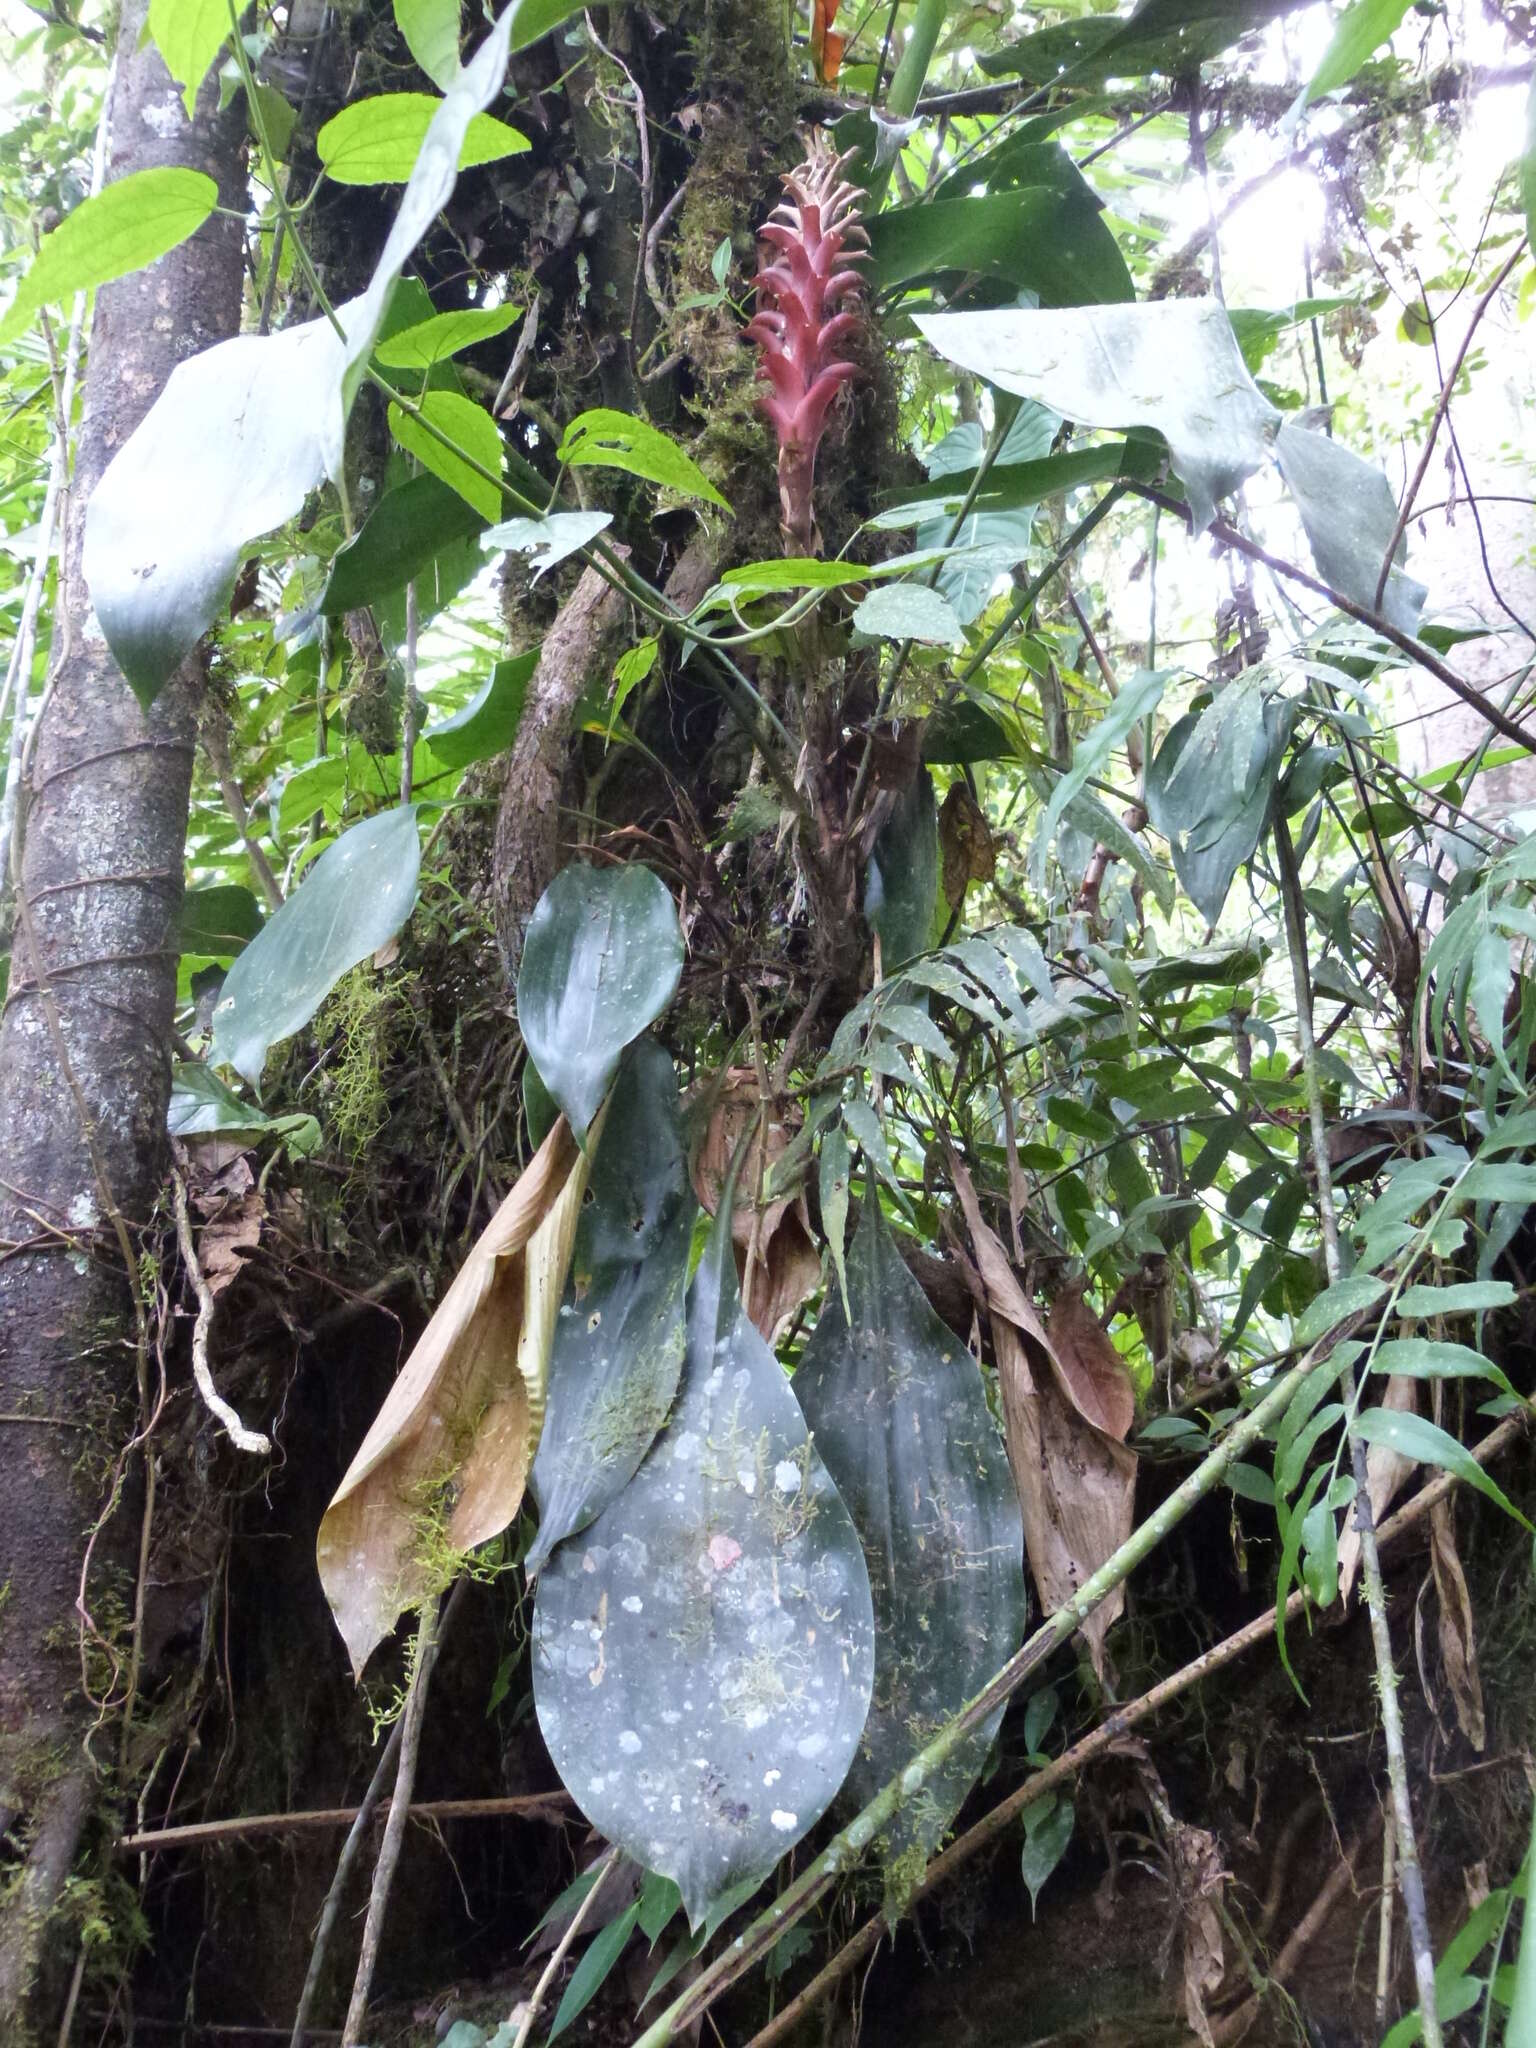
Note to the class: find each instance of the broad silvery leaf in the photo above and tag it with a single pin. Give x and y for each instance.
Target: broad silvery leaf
(703, 1654)
(549, 540)
(897, 1410)
(1170, 364)
(245, 431)
(601, 961)
(1349, 512)
(618, 1346)
(355, 898)
(1210, 826)
(909, 611)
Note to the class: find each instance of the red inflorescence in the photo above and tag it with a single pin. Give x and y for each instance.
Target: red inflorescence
(812, 238)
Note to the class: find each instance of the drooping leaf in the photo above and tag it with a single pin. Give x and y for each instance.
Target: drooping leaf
(189, 34)
(355, 897)
(203, 1107)
(431, 32)
(488, 723)
(243, 432)
(897, 1410)
(1170, 364)
(703, 1655)
(131, 223)
(444, 335)
(1361, 29)
(908, 611)
(412, 527)
(1209, 832)
(835, 1171)
(1414, 1436)
(445, 1463)
(1348, 510)
(470, 428)
(618, 1347)
(549, 540)
(1173, 37)
(902, 883)
(601, 960)
(377, 141)
(605, 439)
(1336, 1304)
(597, 1964)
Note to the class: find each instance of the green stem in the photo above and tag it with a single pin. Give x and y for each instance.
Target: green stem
(845, 1850)
(909, 76)
(1410, 1875)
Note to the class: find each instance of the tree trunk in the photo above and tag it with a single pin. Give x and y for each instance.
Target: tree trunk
(85, 1064)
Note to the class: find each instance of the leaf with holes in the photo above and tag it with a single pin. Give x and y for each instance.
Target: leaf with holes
(601, 961)
(703, 1654)
(618, 1346)
(355, 898)
(897, 1409)
(444, 1466)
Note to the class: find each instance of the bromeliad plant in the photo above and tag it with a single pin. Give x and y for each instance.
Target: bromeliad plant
(805, 322)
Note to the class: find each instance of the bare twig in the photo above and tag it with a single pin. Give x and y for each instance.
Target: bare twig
(242, 1438)
(411, 1717)
(533, 2007)
(554, 1807)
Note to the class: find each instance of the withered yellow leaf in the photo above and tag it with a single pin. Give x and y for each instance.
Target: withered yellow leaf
(444, 1466)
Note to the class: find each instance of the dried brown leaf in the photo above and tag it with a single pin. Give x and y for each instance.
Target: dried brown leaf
(1076, 1480)
(1095, 1373)
(777, 1264)
(224, 1241)
(1458, 1639)
(444, 1466)
(966, 844)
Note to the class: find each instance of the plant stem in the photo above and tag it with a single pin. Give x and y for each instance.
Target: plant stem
(1410, 1875)
(908, 78)
(845, 1850)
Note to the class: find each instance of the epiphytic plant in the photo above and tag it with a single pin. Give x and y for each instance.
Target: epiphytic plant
(813, 237)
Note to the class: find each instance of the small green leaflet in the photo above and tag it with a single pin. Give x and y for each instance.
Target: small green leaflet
(909, 611)
(605, 439)
(431, 32)
(445, 334)
(1048, 1824)
(377, 141)
(1460, 1297)
(189, 34)
(1362, 28)
(121, 229)
(470, 428)
(591, 1973)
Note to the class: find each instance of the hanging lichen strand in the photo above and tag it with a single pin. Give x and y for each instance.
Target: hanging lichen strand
(812, 238)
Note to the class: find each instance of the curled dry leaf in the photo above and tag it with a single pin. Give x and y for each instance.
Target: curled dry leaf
(1066, 1411)
(1458, 1640)
(444, 1466)
(777, 1263)
(226, 1238)
(966, 846)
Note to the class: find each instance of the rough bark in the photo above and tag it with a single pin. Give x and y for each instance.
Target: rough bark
(87, 1025)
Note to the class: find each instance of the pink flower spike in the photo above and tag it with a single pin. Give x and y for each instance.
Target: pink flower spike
(808, 242)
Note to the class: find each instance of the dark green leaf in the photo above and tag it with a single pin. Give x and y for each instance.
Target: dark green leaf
(618, 1346)
(594, 1969)
(410, 527)
(703, 1657)
(1048, 1824)
(1350, 515)
(896, 1408)
(1170, 36)
(601, 961)
(488, 723)
(1052, 243)
(1343, 1299)
(1417, 1438)
(901, 885)
(354, 899)
(218, 920)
